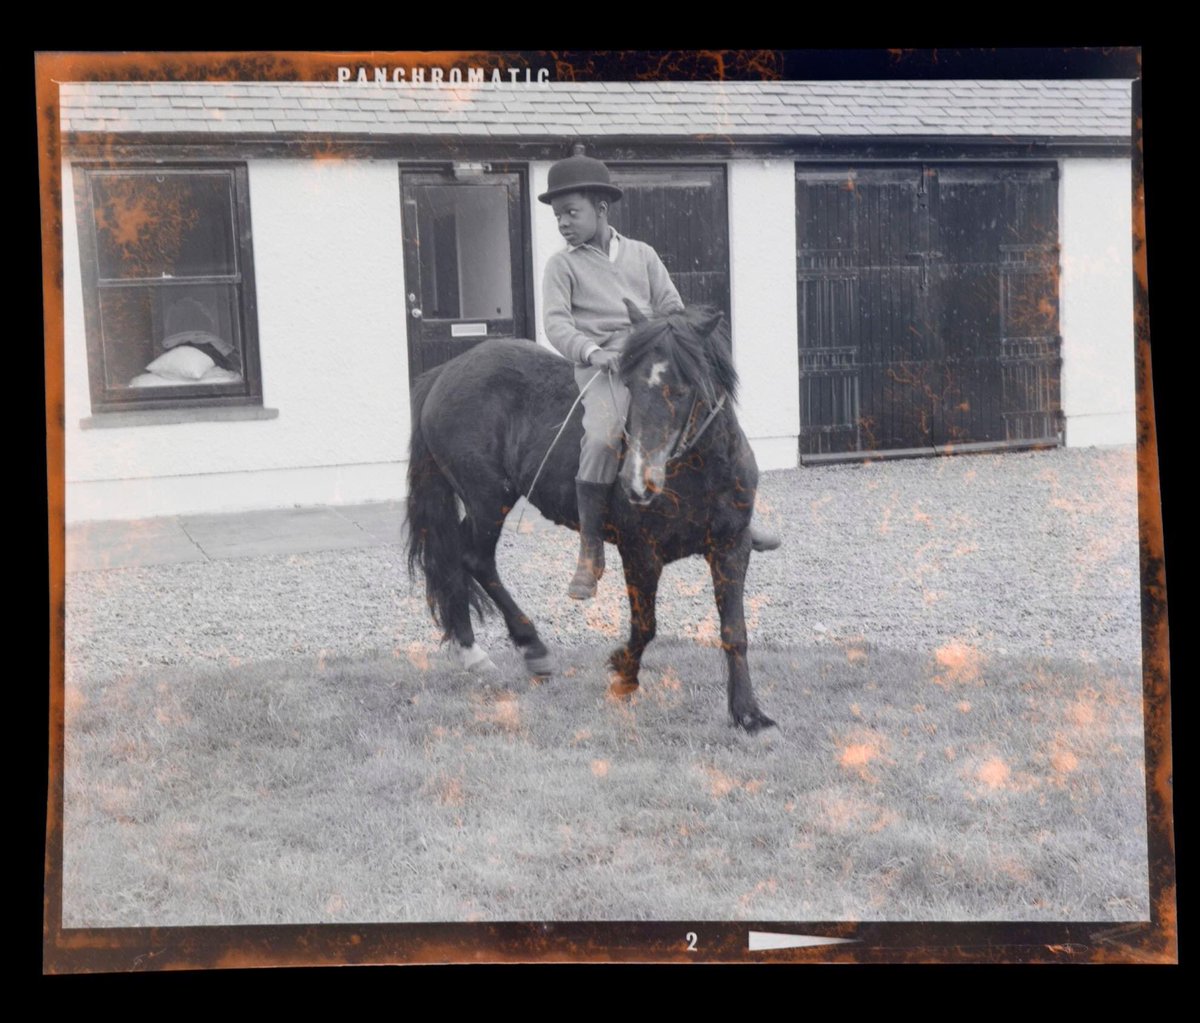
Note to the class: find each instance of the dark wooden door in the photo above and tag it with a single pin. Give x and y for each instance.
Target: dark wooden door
(682, 211)
(927, 308)
(994, 238)
(464, 261)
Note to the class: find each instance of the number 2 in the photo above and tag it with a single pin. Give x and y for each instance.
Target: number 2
(691, 940)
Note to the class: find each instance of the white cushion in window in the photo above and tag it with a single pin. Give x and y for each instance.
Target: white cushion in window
(217, 375)
(183, 363)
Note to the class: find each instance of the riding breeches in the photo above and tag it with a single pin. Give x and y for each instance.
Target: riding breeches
(605, 404)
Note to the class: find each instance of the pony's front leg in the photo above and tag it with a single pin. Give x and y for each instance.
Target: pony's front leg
(728, 564)
(643, 567)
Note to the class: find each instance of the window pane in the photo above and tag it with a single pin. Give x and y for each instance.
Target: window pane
(151, 224)
(171, 336)
(466, 270)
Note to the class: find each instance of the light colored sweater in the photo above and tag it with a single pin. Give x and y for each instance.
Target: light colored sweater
(583, 292)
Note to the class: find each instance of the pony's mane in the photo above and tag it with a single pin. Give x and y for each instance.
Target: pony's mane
(697, 343)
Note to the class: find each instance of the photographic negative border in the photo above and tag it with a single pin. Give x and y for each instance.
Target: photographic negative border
(126, 949)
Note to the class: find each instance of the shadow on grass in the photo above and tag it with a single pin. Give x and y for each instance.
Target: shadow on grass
(949, 786)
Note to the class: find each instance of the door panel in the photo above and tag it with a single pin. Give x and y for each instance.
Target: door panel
(994, 242)
(682, 212)
(864, 360)
(463, 262)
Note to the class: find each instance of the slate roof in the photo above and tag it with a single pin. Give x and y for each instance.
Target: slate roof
(1069, 109)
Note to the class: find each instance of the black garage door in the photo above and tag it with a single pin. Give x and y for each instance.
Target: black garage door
(928, 308)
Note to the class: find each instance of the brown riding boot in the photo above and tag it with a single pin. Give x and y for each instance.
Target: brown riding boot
(593, 500)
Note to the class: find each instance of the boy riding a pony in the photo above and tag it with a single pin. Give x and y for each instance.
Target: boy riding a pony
(586, 319)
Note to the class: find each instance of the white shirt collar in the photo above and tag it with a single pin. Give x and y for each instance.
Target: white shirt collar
(612, 245)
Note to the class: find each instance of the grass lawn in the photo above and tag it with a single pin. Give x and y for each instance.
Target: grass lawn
(951, 786)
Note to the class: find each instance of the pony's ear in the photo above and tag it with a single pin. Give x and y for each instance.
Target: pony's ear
(707, 321)
(635, 314)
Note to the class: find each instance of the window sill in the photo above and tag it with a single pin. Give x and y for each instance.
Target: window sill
(170, 416)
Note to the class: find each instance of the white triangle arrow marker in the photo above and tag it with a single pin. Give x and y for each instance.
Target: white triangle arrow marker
(760, 941)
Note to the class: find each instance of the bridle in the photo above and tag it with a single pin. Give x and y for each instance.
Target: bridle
(680, 450)
(681, 447)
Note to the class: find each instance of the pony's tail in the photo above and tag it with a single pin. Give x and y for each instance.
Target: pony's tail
(435, 539)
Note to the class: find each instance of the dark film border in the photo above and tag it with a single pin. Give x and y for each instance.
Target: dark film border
(104, 950)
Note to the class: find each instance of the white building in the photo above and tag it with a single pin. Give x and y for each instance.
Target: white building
(254, 273)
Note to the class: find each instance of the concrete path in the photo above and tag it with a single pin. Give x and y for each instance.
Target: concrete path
(98, 546)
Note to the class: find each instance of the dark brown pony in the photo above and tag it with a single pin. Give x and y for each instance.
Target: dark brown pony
(482, 424)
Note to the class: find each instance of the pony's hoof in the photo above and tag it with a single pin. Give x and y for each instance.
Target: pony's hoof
(582, 588)
(587, 575)
(476, 660)
(753, 721)
(622, 689)
(540, 665)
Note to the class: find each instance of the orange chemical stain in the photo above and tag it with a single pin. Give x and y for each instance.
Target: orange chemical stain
(418, 657)
(719, 784)
(503, 712)
(959, 663)
(600, 768)
(994, 774)
(1064, 761)
(885, 819)
(450, 792)
(857, 756)
(707, 633)
(604, 618)
(1081, 713)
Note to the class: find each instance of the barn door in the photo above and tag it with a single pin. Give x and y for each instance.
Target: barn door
(927, 308)
(464, 262)
(866, 354)
(681, 211)
(996, 238)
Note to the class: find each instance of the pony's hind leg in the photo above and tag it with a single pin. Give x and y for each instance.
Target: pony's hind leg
(481, 534)
(469, 654)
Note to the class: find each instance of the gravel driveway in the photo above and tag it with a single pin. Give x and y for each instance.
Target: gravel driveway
(1020, 552)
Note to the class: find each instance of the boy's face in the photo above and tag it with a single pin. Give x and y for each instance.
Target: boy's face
(578, 219)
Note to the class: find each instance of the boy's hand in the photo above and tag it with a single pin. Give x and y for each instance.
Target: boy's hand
(608, 361)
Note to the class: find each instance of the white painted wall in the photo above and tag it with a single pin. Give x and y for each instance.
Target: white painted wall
(1096, 296)
(331, 323)
(762, 264)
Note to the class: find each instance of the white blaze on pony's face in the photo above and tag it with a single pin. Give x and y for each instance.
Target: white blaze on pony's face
(658, 412)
